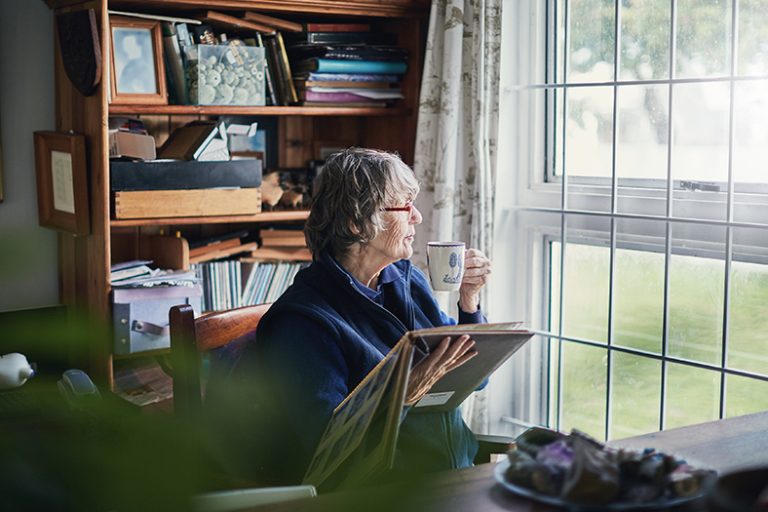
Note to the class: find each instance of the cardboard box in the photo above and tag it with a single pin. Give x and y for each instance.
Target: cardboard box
(131, 145)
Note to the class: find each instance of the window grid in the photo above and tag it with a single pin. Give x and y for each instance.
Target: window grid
(560, 338)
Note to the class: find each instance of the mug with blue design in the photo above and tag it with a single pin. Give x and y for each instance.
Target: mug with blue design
(446, 265)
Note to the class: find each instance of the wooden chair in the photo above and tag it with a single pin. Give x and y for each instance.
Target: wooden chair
(191, 337)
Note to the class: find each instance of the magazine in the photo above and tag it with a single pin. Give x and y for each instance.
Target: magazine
(350, 437)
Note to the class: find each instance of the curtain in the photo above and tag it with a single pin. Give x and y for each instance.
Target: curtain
(456, 138)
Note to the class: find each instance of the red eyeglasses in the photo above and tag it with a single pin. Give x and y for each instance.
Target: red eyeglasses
(408, 207)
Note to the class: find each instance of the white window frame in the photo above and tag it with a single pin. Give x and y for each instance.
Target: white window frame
(538, 211)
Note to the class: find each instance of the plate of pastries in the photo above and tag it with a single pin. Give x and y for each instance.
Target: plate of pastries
(577, 471)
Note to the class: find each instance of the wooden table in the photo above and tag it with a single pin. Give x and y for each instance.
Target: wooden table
(723, 445)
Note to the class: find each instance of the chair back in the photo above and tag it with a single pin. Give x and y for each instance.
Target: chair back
(192, 336)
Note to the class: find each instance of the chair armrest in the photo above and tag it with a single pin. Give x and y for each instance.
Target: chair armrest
(489, 445)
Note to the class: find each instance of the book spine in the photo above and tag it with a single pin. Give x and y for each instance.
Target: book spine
(359, 66)
(385, 39)
(354, 77)
(334, 97)
(289, 87)
(273, 63)
(268, 72)
(174, 64)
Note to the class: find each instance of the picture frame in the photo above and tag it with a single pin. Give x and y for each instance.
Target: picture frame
(62, 182)
(137, 71)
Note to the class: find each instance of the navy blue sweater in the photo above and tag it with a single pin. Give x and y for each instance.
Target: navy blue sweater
(320, 339)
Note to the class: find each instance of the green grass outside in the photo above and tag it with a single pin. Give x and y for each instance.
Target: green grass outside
(695, 332)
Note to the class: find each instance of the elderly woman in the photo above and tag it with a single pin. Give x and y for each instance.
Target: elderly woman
(348, 309)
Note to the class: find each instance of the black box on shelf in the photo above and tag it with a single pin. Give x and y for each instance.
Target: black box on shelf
(182, 175)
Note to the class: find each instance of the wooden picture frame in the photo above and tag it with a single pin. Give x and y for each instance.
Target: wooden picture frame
(136, 68)
(62, 182)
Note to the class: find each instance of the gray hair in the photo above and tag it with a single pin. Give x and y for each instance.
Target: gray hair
(349, 196)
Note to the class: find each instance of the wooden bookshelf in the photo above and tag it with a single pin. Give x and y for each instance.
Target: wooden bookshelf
(301, 134)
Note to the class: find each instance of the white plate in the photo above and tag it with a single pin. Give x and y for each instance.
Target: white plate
(501, 469)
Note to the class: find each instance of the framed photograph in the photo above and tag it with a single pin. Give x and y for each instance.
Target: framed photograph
(137, 72)
(62, 182)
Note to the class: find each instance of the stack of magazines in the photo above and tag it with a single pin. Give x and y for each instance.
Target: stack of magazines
(138, 274)
(345, 64)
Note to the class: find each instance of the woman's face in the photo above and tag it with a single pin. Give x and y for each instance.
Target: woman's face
(395, 242)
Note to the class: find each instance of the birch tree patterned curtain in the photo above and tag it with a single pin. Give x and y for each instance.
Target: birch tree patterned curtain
(456, 138)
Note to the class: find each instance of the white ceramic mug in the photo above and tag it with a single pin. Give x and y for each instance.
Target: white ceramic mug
(446, 265)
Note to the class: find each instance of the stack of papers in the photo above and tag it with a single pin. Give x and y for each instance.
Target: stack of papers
(137, 274)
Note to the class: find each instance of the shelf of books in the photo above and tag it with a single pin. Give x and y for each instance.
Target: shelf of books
(235, 274)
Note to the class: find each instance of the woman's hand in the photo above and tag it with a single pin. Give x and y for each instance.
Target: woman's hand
(477, 268)
(444, 358)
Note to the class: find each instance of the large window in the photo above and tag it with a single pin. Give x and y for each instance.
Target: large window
(636, 196)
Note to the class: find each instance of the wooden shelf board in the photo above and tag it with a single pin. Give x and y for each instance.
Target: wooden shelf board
(279, 216)
(233, 110)
(388, 8)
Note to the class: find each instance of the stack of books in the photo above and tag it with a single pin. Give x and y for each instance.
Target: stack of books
(268, 280)
(345, 64)
(282, 244)
(222, 284)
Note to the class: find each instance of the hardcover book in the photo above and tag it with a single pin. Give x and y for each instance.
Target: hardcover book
(375, 38)
(351, 452)
(352, 66)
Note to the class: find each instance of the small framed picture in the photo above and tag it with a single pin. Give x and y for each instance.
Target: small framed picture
(137, 73)
(62, 182)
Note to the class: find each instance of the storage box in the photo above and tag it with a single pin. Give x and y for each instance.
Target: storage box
(140, 315)
(225, 74)
(131, 145)
(151, 204)
(181, 175)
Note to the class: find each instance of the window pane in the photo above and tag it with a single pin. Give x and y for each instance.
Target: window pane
(696, 285)
(554, 372)
(745, 395)
(591, 38)
(753, 37)
(585, 289)
(750, 142)
(639, 299)
(700, 142)
(589, 131)
(645, 40)
(643, 126)
(703, 38)
(555, 252)
(693, 396)
(584, 383)
(748, 321)
(635, 395)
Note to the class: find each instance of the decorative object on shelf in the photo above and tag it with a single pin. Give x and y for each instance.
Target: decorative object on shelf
(80, 49)
(137, 70)
(230, 74)
(62, 182)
